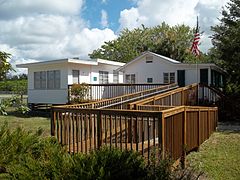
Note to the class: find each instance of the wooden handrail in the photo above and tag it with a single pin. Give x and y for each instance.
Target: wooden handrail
(157, 97)
(105, 102)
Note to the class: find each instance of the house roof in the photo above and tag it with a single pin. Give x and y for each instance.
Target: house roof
(94, 62)
(169, 60)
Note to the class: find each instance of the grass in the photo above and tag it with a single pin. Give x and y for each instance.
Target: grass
(218, 157)
(28, 123)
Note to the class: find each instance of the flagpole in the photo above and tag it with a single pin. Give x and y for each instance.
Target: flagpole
(196, 52)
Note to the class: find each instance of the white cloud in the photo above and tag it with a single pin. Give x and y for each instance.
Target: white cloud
(16, 8)
(104, 1)
(44, 35)
(173, 12)
(104, 18)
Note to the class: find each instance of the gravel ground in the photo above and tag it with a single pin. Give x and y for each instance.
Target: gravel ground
(228, 126)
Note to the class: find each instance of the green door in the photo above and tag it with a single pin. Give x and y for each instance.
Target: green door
(181, 78)
(204, 76)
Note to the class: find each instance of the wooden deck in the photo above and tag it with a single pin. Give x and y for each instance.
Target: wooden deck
(173, 130)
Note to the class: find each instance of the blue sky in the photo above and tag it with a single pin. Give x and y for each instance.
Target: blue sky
(93, 8)
(38, 30)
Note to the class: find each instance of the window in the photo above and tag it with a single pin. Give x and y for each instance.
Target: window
(75, 74)
(169, 78)
(149, 59)
(47, 79)
(53, 79)
(149, 80)
(115, 76)
(103, 77)
(165, 78)
(172, 77)
(40, 80)
(130, 79)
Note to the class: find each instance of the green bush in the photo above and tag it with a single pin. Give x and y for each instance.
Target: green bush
(26, 155)
(4, 104)
(108, 163)
(79, 93)
(16, 86)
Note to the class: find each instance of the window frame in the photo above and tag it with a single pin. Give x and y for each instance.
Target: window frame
(42, 79)
(103, 77)
(131, 79)
(169, 77)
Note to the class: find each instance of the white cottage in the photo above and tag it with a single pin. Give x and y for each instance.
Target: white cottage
(154, 68)
(48, 81)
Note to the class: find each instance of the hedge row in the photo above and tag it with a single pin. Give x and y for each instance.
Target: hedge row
(14, 85)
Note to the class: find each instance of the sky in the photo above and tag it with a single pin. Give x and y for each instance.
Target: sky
(38, 30)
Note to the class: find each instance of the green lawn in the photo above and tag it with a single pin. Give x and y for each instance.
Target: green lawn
(219, 156)
(28, 123)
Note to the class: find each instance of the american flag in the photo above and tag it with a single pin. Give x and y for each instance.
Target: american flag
(194, 49)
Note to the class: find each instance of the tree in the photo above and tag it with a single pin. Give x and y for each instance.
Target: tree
(5, 66)
(173, 42)
(226, 42)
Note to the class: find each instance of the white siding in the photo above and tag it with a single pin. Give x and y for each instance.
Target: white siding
(51, 96)
(154, 70)
(60, 96)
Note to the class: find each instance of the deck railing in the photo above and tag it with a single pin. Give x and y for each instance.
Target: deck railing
(181, 96)
(174, 131)
(106, 91)
(184, 128)
(121, 102)
(164, 121)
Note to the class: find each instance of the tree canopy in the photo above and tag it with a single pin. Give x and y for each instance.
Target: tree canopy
(173, 42)
(226, 42)
(5, 66)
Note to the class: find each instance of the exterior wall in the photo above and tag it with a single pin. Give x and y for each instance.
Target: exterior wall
(88, 72)
(60, 96)
(192, 73)
(48, 96)
(155, 70)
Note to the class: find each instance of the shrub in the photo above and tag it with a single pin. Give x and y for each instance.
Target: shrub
(22, 109)
(14, 86)
(4, 104)
(24, 155)
(79, 93)
(108, 163)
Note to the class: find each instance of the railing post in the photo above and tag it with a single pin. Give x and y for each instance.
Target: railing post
(53, 120)
(69, 94)
(199, 128)
(182, 98)
(184, 148)
(99, 129)
(162, 135)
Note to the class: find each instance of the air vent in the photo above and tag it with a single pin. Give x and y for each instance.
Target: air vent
(149, 59)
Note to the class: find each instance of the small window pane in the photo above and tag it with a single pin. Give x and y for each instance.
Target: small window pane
(149, 80)
(37, 80)
(172, 77)
(57, 79)
(50, 79)
(43, 79)
(133, 79)
(165, 78)
(103, 77)
(115, 76)
(75, 74)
